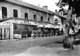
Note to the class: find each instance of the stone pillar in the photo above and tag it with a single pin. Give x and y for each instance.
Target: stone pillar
(11, 31)
(3, 33)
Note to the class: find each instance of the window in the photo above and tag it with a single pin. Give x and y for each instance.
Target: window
(48, 19)
(35, 17)
(56, 22)
(15, 13)
(41, 18)
(26, 15)
(4, 12)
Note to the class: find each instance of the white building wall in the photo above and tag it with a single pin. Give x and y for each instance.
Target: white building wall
(10, 8)
(21, 11)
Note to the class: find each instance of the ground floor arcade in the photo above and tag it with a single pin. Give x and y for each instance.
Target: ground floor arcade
(19, 29)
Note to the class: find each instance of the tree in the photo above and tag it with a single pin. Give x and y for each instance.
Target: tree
(74, 7)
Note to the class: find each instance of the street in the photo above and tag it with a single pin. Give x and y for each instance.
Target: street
(50, 49)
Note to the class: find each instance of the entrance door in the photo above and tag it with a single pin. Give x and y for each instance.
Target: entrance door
(6, 33)
(0, 33)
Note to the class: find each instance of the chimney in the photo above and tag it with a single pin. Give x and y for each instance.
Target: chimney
(45, 7)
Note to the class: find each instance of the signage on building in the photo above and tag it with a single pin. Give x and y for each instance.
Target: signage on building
(21, 22)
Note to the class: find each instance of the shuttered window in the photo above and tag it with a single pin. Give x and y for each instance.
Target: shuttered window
(4, 12)
(15, 13)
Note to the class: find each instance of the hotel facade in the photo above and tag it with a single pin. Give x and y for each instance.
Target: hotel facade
(21, 20)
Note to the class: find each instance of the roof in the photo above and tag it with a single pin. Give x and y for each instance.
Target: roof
(21, 3)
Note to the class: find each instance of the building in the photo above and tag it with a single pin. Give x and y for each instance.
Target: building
(19, 18)
(14, 8)
(60, 19)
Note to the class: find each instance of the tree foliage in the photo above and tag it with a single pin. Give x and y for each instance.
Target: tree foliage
(75, 4)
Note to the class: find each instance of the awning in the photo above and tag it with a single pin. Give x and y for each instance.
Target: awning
(49, 26)
(58, 27)
(33, 23)
(39, 25)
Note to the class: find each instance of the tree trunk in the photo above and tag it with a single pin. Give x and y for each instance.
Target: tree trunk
(69, 19)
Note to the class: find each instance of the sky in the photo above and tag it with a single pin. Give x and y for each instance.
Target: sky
(50, 3)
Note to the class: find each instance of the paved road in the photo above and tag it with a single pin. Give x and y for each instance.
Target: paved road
(51, 50)
(44, 50)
